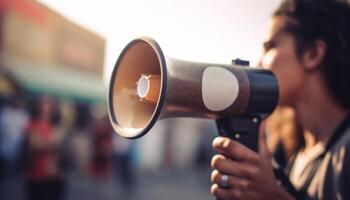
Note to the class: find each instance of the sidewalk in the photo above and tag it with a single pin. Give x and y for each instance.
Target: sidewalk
(170, 185)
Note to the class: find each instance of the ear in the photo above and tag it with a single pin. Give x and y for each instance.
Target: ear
(313, 56)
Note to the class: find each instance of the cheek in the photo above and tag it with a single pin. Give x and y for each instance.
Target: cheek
(288, 72)
(268, 60)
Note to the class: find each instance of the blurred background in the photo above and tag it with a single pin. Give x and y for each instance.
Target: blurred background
(55, 61)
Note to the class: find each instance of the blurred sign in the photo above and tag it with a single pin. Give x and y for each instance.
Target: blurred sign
(40, 35)
(46, 53)
(78, 47)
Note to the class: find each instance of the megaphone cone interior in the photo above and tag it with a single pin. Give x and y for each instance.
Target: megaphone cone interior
(148, 88)
(136, 85)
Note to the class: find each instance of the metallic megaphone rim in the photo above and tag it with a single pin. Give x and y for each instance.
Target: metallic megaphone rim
(162, 95)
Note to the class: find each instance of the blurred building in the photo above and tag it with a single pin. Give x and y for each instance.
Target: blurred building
(43, 52)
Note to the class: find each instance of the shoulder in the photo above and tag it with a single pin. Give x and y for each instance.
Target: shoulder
(343, 144)
(340, 158)
(340, 140)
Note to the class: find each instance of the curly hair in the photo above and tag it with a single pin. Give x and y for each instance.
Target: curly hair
(327, 20)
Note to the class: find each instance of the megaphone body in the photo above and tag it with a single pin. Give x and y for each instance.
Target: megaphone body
(146, 86)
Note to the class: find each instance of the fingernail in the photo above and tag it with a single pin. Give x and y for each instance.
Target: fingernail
(218, 141)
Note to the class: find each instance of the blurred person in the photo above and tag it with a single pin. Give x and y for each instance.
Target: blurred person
(81, 138)
(101, 145)
(204, 152)
(168, 144)
(99, 167)
(308, 49)
(2, 102)
(62, 133)
(13, 121)
(44, 178)
(123, 166)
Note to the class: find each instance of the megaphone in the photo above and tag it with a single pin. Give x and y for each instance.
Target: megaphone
(146, 86)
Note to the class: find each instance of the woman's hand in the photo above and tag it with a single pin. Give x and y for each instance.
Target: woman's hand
(250, 174)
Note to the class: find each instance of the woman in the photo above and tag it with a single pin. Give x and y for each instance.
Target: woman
(308, 49)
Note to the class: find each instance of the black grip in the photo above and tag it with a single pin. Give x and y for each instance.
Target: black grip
(243, 129)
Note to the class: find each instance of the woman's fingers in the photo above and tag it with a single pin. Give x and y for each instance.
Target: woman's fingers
(243, 173)
(233, 182)
(235, 168)
(224, 194)
(232, 193)
(235, 150)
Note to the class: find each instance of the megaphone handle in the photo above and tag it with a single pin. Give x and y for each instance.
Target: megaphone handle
(246, 131)
(243, 129)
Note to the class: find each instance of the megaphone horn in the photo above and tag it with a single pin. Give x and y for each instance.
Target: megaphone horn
(146, 86)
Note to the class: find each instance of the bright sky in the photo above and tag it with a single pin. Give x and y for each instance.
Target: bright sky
(198, 30)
